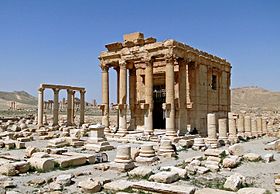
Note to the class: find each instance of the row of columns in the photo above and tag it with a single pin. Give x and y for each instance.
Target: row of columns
(70, 106)
(169, 106)
(232, 127)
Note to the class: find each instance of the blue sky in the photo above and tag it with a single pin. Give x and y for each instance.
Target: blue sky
(59, 41)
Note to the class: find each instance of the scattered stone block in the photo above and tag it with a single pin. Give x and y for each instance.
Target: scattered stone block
(165, 177)
(236, 150)
(64, 179)
(234, 182)
(68, 161)
(252, 190)
(118, 185)
(90, 186)
(42, 164)
(231, 162)
(252, 157)
(9, 144)
(163, 188)
(20, 145)
(8, 169)
(213, 191)
(55, 188)
(268, 157)
(181, 172)
(214, 152)
(22, 166)
(37, 181)
(202, 170)
(30, 150)
(141, 171)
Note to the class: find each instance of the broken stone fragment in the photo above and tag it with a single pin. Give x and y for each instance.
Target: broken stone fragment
(90, 186)
(252, 157)
(234, 182)
(8, 169)
(165, 177)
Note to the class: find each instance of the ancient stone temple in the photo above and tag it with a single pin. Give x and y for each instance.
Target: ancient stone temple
(165, 85)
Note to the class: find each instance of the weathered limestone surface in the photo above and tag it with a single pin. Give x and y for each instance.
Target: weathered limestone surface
(192, 82)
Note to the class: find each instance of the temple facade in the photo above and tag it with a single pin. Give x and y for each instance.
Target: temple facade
(164, 85)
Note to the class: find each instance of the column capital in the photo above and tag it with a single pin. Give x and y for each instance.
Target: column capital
(170, 59)
(41, 89)
(104, 68)
(70, 91)
(82, 91)
(122, 64)
(55, 90)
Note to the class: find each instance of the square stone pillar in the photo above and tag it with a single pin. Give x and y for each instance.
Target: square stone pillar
(40, 106)
(69, 107)
(148, 120)
(82, 107)
(55, 106)
(122, 101)
(170, 95)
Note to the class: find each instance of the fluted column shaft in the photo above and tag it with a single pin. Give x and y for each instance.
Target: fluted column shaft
(55, 106)
(149, 98)
(40, 106)
(170, 94)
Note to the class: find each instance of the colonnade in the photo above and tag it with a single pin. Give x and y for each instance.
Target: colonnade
(70, 103)
(148, 105)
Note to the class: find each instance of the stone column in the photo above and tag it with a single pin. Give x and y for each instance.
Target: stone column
(223, 129)
(264, 125)
(247, 123)
(82, 107)
(69, 107)
(132, 98)
(254, 127)
(105, 98)
(40, 106)
(240, 125)
(232, 129)
(169, 101)
(55, 106)
(259, 125)
(122, 101)
(149, 102)
(73, 108)
(182, 98)
(118, 95)
(212, 130)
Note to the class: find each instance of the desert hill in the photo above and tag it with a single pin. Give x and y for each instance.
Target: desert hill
(254, 99)
(22, 99)
(244, 98)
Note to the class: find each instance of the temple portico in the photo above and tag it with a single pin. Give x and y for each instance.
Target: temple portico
(165, 85)
(55, 103)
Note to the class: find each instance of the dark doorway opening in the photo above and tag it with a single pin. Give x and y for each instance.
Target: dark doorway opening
(158, 113)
